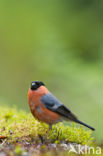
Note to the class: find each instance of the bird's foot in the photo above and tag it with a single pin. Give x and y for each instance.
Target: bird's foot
(44, 139)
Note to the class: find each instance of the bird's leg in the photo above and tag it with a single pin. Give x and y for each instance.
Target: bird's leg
(43, 139)
(50, 127)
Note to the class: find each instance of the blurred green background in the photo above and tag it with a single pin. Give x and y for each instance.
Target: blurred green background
(59, 42)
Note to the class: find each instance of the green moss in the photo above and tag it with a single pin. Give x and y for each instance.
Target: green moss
(19, 125)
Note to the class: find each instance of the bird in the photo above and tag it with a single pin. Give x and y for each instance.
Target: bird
(46, 108)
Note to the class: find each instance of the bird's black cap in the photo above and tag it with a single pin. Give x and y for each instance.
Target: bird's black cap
(36, 84)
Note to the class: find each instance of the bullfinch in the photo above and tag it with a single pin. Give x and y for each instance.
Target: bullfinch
(47, 108)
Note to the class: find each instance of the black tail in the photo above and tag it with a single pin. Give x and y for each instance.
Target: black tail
(80, 122)
(68, 115)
